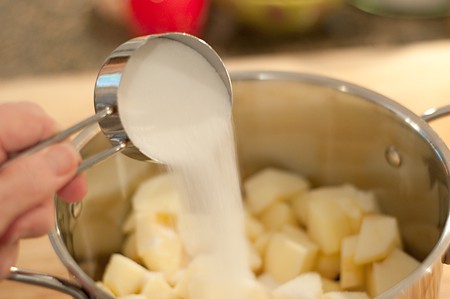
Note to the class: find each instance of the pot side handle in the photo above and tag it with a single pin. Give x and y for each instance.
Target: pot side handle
(48, 281)
(430, 115)
(435, 113)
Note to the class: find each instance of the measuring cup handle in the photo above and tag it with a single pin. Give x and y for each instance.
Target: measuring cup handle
(47, 281)
(87, 134)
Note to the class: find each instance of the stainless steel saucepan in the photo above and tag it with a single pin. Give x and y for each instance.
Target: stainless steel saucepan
(330, 131)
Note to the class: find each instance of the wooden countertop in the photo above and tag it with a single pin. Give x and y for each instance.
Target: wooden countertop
(417, 76)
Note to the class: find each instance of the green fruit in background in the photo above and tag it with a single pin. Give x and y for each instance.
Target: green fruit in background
(281, 16)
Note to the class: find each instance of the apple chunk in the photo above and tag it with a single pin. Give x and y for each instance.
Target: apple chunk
(379, 235)
(328, 265)
(157, 287)
(383, 275)
(271, 185)
(157, 194)
(158, 244)
(327, 224)
(277, 215)
(353, 202)
(253, 227)
(352, 275)
(305, 286)
(289, 254)
(345, 295)
(124, 276)
(300, 205)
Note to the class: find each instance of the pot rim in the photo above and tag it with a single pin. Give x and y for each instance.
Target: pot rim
(410, 118)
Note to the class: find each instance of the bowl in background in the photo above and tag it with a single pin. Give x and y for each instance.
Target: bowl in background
(281, 16)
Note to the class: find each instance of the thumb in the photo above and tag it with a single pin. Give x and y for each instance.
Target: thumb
(29, 181)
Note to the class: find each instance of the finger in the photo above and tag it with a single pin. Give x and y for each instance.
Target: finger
(36, 222)
(8, 257)
(26, 182)
(22, 125)
(75, 190)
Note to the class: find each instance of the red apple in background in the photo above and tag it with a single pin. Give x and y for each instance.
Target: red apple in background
(159, 16)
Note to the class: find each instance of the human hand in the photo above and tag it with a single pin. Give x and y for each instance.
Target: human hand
(28, 184)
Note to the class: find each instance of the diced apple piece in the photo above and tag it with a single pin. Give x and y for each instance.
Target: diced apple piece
(300, 203)
(354, 203)
(175, 279)
(104, 288)
(301, 237)
(327, 224)
(181, 283)
(387, 273)
(352, 211)
(296, 233)
(379, 235)
(328, 265)
(345, 295)
(305, 286)
(329, 285)
(129, 225)
(253, 227)
(133, 296)
(124, 276)
(157, 194)
(357, 203)
(268, 281)
(205, 282)
(261, 243)
(271, 185)
(365, 200)
(157, 287)
(300, 207)
(196, 281)
(158, 245)
(129, 248)
(352, 275)
(286, 257)
(255, 290)
(283, 257)
(254, 258)
(277, 215)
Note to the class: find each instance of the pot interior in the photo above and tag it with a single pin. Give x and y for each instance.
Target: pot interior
(329, 131)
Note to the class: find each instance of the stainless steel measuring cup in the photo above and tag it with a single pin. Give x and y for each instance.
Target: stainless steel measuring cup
(107, 114)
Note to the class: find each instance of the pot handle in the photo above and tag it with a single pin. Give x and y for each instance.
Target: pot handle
(435, 113)
(48, 281)
(430, 115)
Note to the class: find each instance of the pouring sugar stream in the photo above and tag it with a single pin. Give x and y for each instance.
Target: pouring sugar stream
(176, 109)
(173, 95)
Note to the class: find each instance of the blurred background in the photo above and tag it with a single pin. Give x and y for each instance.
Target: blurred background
(47, 36)
(50, 51)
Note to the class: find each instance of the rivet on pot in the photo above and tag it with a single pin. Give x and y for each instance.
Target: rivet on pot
(393, 156)
(75, 209)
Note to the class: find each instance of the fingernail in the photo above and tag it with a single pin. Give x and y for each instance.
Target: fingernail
(62, 158)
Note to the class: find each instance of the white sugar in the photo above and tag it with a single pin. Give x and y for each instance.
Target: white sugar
(176, 109)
